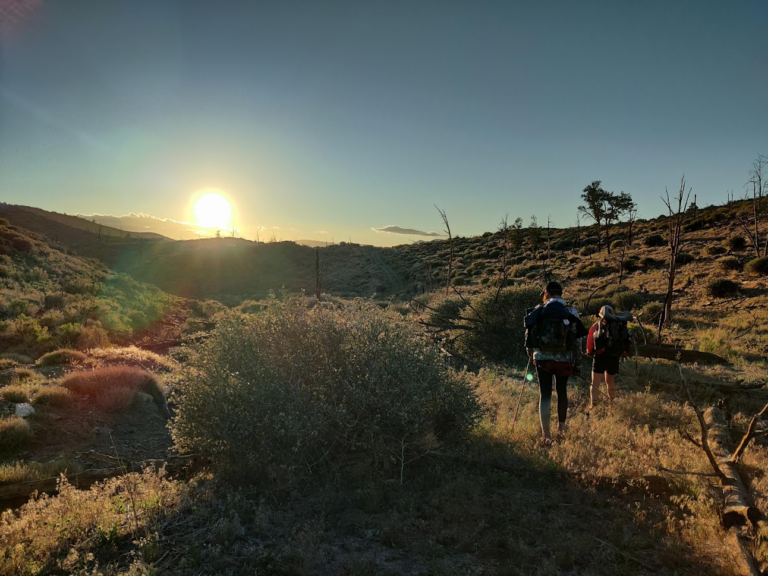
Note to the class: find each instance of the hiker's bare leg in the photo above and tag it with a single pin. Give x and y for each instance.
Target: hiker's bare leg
(594, 391)
(611, 384)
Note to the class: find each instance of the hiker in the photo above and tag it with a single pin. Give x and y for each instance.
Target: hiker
(553, 329)
(607, 343)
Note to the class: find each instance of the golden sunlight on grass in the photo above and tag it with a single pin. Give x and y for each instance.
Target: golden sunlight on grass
(213, 210)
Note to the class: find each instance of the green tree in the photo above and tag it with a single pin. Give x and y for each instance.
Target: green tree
(595, 203)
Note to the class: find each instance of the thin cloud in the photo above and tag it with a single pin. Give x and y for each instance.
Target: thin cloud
(392, 229)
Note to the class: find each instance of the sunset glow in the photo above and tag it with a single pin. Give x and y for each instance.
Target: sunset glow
(212, 210)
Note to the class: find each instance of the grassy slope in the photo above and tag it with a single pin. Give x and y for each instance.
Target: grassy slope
(49, 298)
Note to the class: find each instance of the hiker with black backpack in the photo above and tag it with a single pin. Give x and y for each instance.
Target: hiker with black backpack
(608, 342)
(552, 330)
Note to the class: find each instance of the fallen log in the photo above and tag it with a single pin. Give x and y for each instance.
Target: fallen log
(736, 508)
(680, 355)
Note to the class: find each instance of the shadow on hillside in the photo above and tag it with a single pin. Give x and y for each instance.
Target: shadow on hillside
(483, 509)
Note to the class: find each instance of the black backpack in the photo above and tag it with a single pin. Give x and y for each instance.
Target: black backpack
(619, 337)
(552, 335)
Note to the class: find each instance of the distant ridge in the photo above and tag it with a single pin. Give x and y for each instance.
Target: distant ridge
(77, 234)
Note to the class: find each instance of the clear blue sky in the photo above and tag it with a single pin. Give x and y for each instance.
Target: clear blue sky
(343, 116)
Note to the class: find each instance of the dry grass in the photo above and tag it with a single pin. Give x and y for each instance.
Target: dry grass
(15, 393)
(14, 433)
(98, 382)
(15, 472)
(133, 356)
(61, 356)
(53, 395)
(59, 534)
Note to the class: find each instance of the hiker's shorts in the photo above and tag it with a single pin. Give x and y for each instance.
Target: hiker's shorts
(604, 364)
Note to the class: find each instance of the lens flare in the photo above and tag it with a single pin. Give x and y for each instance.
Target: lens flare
(529, 377)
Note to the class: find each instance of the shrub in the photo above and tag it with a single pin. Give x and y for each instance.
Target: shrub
(717, 341)
(113, 388)
(715, 250)
(19, 358)
(627, 300)
(722, 288)
(15, 394)
(654, 240)
(447, 312)
(758, 266)
(61, 356)
(498, 333)
(729, 263)
(293, 391)
(589, 271)
(14, 433)
(22, 374)
(53, 396)
(587, 251)
(617, 244)
(684, 258)
(648, 262)
(736, 243)
(651, 310)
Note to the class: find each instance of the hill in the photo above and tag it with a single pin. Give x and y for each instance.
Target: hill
(50, 298)
(83, 237)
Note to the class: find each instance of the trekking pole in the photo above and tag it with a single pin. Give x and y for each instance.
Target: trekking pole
(519, 400)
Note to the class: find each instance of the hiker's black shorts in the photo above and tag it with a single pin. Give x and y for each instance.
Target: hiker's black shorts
(604, 363)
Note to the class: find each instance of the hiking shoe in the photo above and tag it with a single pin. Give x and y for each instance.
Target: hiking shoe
(562, 427)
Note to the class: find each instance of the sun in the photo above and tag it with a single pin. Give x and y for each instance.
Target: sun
(213, 210)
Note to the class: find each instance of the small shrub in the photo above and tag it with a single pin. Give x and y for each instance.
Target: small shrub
(589, 271)
(684, 258)
(53, 395)
(61, 356)
(96, 382)
(617, 244)
(736, 243)
(55, 300)
(587, 251)
(627, 300)
(447, 312)
(23, 374)
(14, 433)
(758, 266)
(715, 250)
(648, 262)
(654, 240)
(717, 341)
(15, 394)
(651, 310)
(728, 263)
(722, 288)
(6, 363)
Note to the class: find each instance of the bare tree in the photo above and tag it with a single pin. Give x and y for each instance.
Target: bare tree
(517, 237)
(450, 246)
(549, 237)
(318, 276)
(757, 185)
(676, 208)
(577, 240)
(505, 242)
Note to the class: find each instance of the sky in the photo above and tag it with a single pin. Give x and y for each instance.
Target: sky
(328, 120)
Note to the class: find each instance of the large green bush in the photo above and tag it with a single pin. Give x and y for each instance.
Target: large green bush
(291, 391)
(496, 324)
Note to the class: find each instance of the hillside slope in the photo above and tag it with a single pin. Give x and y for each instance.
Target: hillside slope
(49, 298)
